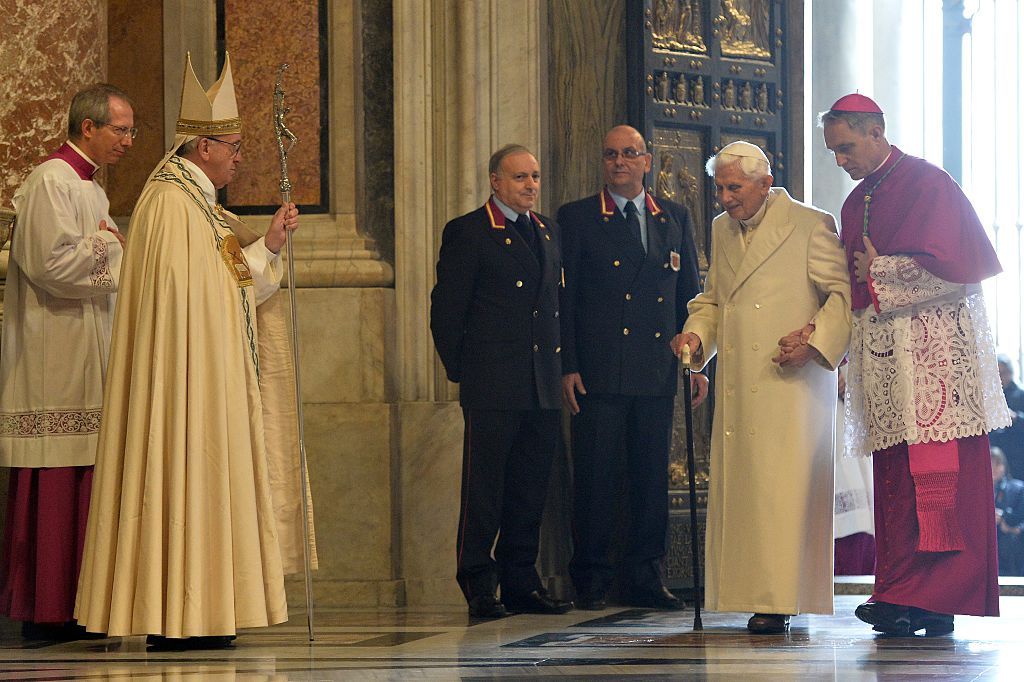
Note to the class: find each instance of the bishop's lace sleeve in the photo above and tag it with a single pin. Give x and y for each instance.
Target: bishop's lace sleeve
(899, 282)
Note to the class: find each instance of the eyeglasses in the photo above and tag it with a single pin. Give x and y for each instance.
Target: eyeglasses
(628, 153)
(235, 146)
(121, 131)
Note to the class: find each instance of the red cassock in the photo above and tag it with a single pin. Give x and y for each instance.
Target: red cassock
(47, 510)
(918, 210)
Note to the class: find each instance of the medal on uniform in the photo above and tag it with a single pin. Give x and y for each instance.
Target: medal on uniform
(673, 259)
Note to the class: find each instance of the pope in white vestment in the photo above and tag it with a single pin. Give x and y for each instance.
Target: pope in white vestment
(776, 267)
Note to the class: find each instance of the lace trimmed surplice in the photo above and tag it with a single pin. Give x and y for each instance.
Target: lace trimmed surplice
(922, 363)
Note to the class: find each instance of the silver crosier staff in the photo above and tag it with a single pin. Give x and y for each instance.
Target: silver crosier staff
(282, 133)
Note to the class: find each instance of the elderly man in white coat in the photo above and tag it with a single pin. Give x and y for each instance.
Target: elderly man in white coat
(776, 310)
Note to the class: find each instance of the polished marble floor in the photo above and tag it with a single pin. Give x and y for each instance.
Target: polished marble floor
(401, 644)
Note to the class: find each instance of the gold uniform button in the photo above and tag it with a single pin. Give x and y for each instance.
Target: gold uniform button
(558, 349)
(625, 332)
(616, 263)
(548, 237)
(756, 346)
(664, 265)
(661, 299)
(508, 242)
(757, 306)
(519, 283)
(657, 335)
(629, 297)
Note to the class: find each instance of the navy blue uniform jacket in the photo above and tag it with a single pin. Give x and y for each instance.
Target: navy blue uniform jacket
(494, 312)
(620, 307)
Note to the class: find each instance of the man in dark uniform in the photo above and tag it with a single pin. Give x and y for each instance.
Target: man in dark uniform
(630, 269)
(494, 317)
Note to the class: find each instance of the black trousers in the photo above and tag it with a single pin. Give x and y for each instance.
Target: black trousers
(615, 436)
(506, 461)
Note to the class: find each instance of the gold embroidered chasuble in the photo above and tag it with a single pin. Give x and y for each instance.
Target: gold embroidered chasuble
(183, 539)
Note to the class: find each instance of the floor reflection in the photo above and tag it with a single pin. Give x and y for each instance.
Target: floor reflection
(389, 644)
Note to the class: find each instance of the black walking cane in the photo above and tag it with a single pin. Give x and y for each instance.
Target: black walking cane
(686, 361)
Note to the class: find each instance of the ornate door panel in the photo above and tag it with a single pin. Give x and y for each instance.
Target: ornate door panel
(707, 73)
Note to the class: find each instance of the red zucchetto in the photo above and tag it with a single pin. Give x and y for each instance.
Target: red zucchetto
(856, 103)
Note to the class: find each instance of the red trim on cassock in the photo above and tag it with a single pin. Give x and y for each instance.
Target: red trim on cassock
(81, 165)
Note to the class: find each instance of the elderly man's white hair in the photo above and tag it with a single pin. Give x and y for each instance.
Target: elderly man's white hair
(753, 162)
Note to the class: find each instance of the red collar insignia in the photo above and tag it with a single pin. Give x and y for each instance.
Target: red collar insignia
(498, 218)
(608, 207)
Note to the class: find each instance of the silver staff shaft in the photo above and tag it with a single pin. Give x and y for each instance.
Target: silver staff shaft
(282, 133)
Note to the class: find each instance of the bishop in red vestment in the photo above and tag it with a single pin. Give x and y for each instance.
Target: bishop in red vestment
(923, 390)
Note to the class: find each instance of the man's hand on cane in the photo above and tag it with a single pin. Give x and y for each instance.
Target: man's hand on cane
(698, 382)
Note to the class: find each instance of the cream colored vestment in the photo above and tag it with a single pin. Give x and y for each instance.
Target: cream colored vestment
(769, 531)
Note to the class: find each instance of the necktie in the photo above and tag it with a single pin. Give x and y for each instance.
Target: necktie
(633, 223)
(525, 228)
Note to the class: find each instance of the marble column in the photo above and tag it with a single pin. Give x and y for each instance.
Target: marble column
(839, 66)
(469, 77)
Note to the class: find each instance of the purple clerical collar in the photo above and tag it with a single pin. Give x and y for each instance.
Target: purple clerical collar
(76, 159)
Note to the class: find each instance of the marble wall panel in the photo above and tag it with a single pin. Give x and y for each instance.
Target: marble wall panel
(138, 69)
(376, 201)
(347, 335)
(49, 50)
(587, 81)
(430, 474)
(349, 453)
(260, 35)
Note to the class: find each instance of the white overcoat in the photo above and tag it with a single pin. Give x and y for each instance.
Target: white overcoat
(769, 530)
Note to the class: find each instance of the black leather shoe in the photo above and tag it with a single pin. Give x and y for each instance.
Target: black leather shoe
(537, 602)
(589, 602)
(890, 619)
(768, 623)
(654, 598)
(486, 606)
(161, 643)
(934, 624)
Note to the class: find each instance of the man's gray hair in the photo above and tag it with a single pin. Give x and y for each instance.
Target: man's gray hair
(858, 120)
(188, 147)
(751, 167)
(508, 150)
(93, 104)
